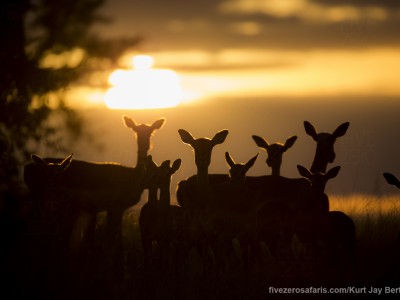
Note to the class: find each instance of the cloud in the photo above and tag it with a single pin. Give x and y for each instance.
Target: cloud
(264, 24)
(248, 28)
(387, 4)
(225, 59)
(180, 26)
(307, 10)
(238, 72)
(183, 58)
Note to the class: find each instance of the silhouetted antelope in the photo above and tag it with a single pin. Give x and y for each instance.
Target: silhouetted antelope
(318, 182)
(155, 216)
(81, 178)
(330, 233)
(324, 153)
(278, 201)
(87, 188)
(310, 225)
(233, 209)
(40, 175)
(282, 201)
(197, 205)
(274, 152)
(238, 171)
(143, 133)
(186, 192)
(202, 150)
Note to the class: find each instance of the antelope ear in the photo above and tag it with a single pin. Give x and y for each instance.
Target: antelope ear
(332, 173)
(290, 142)
(341, 130)
(310, 130)
(166, 163)
(149, 162)
(176, 165)
(260, 142)
(159, 123)
(38, 160)
(67, 161)
(229, 159)
(304, 172)
(220, 137)
(186, 137)
(251, 162)
(391, 179)
(129, 122)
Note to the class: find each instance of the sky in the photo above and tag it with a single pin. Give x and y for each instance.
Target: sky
(320, 47)
(274, 24)
(263, 67)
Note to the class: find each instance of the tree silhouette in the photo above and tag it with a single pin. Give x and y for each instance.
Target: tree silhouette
(31, 89)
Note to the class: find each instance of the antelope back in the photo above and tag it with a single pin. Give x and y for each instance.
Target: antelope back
(293, 193)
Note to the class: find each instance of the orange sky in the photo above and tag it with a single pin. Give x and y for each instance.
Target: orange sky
(267, 47)
(258, 47)
(237, 74)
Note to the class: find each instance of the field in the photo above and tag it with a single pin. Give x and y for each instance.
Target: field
(377, 221)
(37, 266)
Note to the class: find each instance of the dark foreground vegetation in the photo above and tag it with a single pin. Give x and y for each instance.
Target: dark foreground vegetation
(35, 260)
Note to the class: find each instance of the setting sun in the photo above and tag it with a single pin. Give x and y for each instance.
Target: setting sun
(143, 87)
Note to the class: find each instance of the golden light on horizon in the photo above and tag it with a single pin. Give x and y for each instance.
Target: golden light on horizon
(206, 76)
(143, 87)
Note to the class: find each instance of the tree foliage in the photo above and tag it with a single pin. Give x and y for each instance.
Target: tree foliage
(32, 89)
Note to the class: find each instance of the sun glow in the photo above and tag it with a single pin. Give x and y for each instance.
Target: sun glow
(143, 87)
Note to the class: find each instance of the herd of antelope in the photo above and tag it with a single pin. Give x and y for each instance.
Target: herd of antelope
(215, 212)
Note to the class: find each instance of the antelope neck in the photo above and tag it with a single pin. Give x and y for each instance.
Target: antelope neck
(320, 163)
(276, 171)
(141, 156)
(203, 183)
(165, 196)
(152, 195)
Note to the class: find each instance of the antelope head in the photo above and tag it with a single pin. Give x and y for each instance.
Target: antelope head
(237, 171)
(203, 146)
(325, 152)
(319, 179)
(51, 172)
(274, 151)
(143, 133)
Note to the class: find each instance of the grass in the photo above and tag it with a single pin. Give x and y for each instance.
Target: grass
(38, 268)
(377, 221)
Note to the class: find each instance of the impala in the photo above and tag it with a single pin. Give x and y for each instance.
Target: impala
(318, 182)
(274, 152)
(143, 134)
(200, 231)
(324, 153)
(232, 209)
(155, 216)
(87, 188)
(87, 177)
(278, 202)
(202, 150)
(330, 233)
